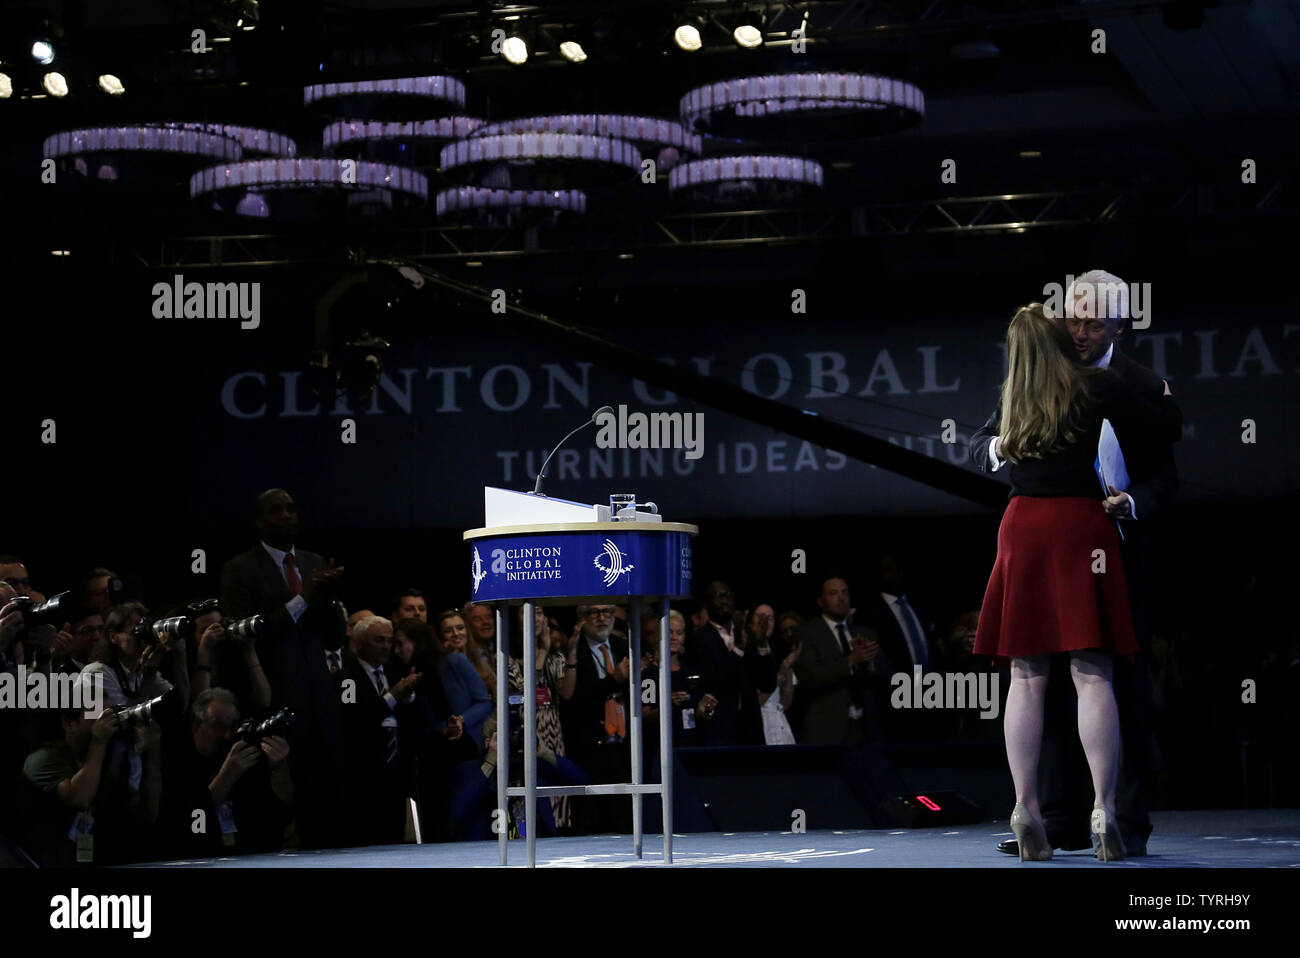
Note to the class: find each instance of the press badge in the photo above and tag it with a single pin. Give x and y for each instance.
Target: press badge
(688, 718)
(543, 696)
(80, 833)
(226, 816)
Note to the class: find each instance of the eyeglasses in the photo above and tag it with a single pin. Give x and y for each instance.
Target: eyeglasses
(595, 613)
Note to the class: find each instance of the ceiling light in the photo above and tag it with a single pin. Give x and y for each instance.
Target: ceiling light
(43, 52)
(111, 84)
(515, 50)
(748, 36)
(573, 51)
(55, 84)
(687, 37)
(6, 86)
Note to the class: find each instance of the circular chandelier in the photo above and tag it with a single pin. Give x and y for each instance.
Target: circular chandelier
(666, 138)
(443, 128)
(292, 187)
(809, 106)
(546, 161)
(252, 139)
(746, 180)
(509, 208)
(396, 99)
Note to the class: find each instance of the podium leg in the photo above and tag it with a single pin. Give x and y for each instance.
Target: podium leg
(503, 740)
(634, 701)
(530, 734)
(666, 730)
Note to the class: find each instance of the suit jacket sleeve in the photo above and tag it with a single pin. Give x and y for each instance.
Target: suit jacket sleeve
(242, 594)
(480, 702)
(814, 670)
(979, 442)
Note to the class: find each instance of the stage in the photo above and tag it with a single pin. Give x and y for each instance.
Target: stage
(1250, 838)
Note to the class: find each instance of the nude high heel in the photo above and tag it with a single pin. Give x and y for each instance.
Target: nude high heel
(1110, 845)
(1031, 838)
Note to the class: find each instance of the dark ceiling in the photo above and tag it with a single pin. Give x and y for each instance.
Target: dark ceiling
(1144, 140)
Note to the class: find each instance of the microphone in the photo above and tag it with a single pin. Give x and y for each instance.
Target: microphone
(537, 489)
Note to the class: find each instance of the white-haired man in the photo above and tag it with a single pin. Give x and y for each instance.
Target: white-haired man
(1096, 311)
(373, 708)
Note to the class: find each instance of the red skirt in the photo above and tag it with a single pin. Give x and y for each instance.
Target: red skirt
(1043, 595)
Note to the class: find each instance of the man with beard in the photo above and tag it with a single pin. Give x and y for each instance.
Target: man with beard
(1094, 321)
(595, 718)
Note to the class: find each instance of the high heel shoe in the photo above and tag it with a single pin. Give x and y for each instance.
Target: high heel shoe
(1031, 838)
(1110, 845)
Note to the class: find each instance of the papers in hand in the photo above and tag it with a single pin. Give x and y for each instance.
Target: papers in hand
(1110, 466)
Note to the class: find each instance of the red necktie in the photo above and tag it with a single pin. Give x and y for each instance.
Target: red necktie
(291, 573)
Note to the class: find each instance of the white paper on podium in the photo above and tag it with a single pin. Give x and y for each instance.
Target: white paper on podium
(1110, 466)
(506, 507)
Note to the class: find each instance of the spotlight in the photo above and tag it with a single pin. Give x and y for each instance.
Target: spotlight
(6, 86)
(687, 37)
(515, 50)
(573, 51)
(748, 36)
(111, 84)
(43, 52)
(55, 84)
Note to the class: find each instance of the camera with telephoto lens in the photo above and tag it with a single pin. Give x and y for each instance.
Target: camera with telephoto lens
(249, 628)
(137, 716)
(54, 611)
(252, 732)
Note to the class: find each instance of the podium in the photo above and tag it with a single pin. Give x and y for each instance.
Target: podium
(577, 555)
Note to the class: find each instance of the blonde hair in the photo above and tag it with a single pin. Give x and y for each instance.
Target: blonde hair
(1042, 396)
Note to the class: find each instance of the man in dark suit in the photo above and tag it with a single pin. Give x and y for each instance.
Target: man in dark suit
(842, 680)
(908, 639)
(1095, 314)
(290, 587)
(720, 656)
(595, 718)
(377, 747)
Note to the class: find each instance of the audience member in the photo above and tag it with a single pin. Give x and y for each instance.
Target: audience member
(467, 695)
(410, 605)
(719, 652)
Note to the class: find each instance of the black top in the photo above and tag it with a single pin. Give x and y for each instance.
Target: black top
(1071, 470)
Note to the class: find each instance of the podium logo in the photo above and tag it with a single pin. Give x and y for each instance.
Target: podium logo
(659, 430)
(616, 567)
(477, 570)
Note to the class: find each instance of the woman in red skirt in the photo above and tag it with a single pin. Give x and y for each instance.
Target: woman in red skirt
(1058, 582)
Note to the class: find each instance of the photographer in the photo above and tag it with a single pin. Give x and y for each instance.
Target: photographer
(215, 661)
(241, 785)
(128, 657)
(83, 803)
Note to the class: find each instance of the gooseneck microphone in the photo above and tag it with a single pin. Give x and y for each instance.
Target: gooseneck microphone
(541, 473)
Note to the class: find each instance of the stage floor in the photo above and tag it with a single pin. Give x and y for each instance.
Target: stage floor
(1250, 838)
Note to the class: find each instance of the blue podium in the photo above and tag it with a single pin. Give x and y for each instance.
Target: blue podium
(587, 561)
